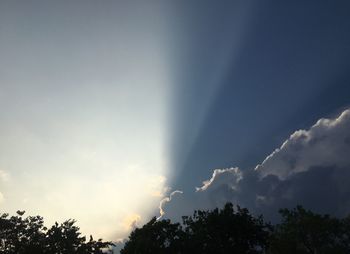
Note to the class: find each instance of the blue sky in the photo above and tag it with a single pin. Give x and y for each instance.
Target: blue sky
(289, 68)
(118, 103)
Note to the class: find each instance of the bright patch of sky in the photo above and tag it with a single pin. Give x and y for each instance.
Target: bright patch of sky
(82, 92)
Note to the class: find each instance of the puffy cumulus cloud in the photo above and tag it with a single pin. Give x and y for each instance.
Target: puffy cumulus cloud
(213, 193)
(325, 144)
(229, 177)
(311, 168)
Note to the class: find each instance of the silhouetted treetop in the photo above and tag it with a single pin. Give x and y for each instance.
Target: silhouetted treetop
(218, 231)
(155, 237)
(302, 231)
(19, 235)
(234, 230)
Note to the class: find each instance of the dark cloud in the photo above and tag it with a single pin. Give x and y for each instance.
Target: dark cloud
(311, 168)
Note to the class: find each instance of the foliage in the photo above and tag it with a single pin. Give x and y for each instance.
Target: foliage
(230, 230)
(216, 231)
(303, 231)
(226, 230)
(19, 235)
(155, 237)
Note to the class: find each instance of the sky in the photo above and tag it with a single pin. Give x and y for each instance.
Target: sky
(114, 109)
(83, 121)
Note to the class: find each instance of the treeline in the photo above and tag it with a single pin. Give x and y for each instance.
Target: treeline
(235, 230)
(219, 231)
(28, 235)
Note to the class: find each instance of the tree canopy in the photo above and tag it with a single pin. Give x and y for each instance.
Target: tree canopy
(302, 231)
(227, 230)
(155, 237)
(28, 235)
(235, 230)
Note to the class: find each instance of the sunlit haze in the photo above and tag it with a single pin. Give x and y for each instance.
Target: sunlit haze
(83, 94)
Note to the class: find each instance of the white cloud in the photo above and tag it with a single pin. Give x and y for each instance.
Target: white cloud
(131, 221)
(228, 176)
(325, 144)
(311, 168)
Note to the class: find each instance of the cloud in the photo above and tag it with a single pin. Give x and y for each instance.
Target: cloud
(166, 200)
(325, 144)
(311, 168)
(1, 198)
(229, 176)
(131, 221)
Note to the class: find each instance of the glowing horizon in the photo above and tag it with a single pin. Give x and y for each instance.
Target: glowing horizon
(83, 135)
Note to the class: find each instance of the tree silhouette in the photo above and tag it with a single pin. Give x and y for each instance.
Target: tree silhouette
(216, 231)
(225, 231)
(28, 235)
(155, 237)
(303, 231)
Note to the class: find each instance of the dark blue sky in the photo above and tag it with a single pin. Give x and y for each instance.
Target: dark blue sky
(280, 66)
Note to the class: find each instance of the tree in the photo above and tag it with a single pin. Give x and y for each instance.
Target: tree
(302, 231)
(225, 231)
(21, 235)
(28, 235)
(216, 231)
(155, 237)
